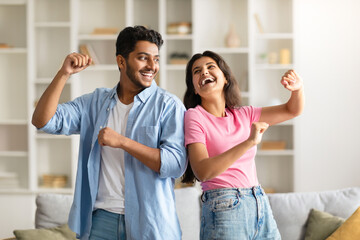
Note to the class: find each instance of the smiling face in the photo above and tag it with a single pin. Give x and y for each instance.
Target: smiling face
(141, 66)
(207, 77)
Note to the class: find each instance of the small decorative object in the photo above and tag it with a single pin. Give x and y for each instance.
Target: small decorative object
(269, 190)
(258, 23)
(262, 58)
(284, 56)
(54, 181)
(4, 45)
(273, 57)
(273, 145)
(105, 31)
(179, 58)
(232, 40)
(181, 28)
(87, 49)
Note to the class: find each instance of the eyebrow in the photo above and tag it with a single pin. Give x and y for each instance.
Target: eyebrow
(147, 54)
(209, 63)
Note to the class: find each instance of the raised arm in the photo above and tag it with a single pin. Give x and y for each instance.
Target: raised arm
(205, 167)
(294, 106)
(49, 100)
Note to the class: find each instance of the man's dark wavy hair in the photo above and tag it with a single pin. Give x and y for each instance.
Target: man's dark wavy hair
(129, 36)
(191, 99)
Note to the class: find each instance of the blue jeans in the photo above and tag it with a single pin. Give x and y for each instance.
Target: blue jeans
(237, 213)
(107, 226)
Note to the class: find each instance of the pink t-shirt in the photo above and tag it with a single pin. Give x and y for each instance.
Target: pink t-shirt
(219, 134)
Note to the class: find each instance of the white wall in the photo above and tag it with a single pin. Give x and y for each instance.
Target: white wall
(328, 58)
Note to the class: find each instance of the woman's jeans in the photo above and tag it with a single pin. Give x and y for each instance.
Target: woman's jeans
(237, 213)
(107, 226)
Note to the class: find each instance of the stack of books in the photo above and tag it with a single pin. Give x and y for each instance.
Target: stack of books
(54, 181)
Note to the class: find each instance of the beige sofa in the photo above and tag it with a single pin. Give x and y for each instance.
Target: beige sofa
(291, 210)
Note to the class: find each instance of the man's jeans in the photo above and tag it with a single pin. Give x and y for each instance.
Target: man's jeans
(107, 226)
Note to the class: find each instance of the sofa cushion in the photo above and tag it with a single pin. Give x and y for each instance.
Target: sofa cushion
(61, 232)
(52, 210)
(291, 210)
(321, 225)
(349, 230)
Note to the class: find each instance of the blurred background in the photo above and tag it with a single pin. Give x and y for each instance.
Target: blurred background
(259, 39)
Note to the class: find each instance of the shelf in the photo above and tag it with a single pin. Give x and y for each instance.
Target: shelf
(22, 191)
(178, 37)
(103, 67)
(224, 50)
(54, 190)
(51, 136)
(13, 122)
(274, 66)
(275, 153)
(13, 154)
(13, 50)
(15, 191)
(12, 2)
(275, 36)
(176, 67)
(97, 37)
(52, 24)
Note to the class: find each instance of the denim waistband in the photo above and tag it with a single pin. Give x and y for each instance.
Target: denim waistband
(108, 214)
(253, 191)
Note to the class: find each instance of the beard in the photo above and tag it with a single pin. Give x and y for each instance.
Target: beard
(130, 72)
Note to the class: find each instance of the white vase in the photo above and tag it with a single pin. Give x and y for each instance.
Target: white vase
(232, 40)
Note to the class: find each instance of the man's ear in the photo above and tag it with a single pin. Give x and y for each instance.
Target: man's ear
(120, 61)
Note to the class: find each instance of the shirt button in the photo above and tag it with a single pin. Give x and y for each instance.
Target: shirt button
(100, 127)
(108, 109)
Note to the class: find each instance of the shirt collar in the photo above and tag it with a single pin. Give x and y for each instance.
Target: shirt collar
(147, 92)
(143, 95)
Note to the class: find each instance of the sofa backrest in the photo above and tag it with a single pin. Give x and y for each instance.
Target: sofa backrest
(53, 210)
(291, 210)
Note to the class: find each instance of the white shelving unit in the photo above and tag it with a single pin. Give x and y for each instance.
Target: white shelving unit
(275, 167)
(41, 33)
(48, 30)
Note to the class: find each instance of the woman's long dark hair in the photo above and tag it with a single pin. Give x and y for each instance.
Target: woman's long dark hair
(191, 99)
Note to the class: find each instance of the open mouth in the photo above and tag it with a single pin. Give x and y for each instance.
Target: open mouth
(206, 81)
(147, 75)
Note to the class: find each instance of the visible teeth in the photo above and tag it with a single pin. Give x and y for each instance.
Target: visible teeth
(147, 74)
(207, 80)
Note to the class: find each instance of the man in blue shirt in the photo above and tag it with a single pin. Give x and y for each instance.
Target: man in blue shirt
(131, 144)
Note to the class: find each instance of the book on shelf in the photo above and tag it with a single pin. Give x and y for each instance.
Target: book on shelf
(273, 145)
(87, 49)
(105, 31)
(258, 23)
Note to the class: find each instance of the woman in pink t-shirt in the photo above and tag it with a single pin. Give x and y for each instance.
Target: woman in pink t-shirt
(221, 138)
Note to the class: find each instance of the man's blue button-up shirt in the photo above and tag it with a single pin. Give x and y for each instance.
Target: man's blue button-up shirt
(155, 120)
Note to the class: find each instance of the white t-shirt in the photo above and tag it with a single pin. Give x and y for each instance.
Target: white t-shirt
(111, 195)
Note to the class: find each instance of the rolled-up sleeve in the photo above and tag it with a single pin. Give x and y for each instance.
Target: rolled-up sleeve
(172, 150)
(66, 120)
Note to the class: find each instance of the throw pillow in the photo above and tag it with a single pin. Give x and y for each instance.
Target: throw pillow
(350, 230)
(61, 232)
(321, 225)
